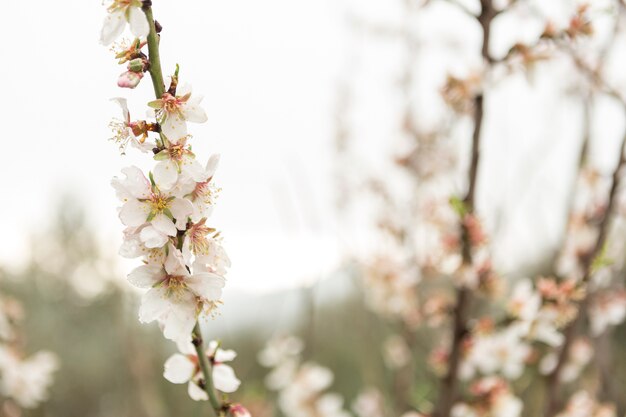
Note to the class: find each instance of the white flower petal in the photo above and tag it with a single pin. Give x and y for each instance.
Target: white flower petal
(112, 27)
(174, 128)
(180, 320)
(138, 22)
(165, 174)
(136, 183)
(152, 238)
(145, 276)
(207, 285)
(164, 224)
(134, 213)
(196, 393)
(178, 369)
(193, 112)
(224, 378)
(154, 304)
(181, 209)
(225, 355)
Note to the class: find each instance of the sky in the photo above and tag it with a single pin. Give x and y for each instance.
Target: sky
(270, 74)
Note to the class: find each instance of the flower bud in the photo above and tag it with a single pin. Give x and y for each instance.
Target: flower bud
(136, 65)
(129, 79)
(238, 410)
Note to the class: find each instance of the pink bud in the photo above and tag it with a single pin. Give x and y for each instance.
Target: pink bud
(129, 79)
(238, 410)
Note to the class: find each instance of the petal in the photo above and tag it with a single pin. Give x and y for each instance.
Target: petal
(193, 112)
(180, 319)
(164, 224)
(136, 183)
(225, 355)
(224, 378)
(165, 174)
(153, 238)
(211, 165)
(196, 393)
(178, 369)
(175, 263)
(181, 209)
(145, 276)
(134, 213)
(154, 304)
(138, 22)
(112, 27)
(207, 285)
(123, 103)
(194, 169)
(174, 127)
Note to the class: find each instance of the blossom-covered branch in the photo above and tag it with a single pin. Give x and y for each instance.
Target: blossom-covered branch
(166, 213)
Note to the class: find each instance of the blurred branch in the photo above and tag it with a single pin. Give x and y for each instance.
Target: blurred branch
(449, 387)
(553, 387)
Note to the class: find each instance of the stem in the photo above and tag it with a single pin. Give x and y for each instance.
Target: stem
(205, 366)
(449, 384)
(153, 51)
(553, 399)
(159, 88)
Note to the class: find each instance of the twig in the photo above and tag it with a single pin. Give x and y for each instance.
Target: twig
(449, 387)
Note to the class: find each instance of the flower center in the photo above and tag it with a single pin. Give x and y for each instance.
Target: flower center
(158, 203)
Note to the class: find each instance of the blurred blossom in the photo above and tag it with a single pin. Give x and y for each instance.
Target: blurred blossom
(369, 403)
(396, 352)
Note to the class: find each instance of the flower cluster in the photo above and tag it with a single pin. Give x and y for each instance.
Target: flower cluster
(300, 385)
(24, 381)
(184, 368)
(165, 212)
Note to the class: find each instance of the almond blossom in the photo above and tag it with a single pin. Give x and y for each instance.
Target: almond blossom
(166, 214)
(183, 368)
(121, 12)
(26, 380)
(175, 295)
(144, 203)
(175, 109)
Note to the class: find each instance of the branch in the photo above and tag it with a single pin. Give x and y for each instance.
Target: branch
(448, 390)
(553, 399)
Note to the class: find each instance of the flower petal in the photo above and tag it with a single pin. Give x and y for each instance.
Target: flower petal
(224, 378)
(112, 27)
(134, 213)
(181, 209)
(178, 369)
(193, 112)
(145, 276)
(165, 174)
(196, 393)
(164, 224)
(153, 238)
(207, 285)
(154, 304)
(174, 128)
(138, 22)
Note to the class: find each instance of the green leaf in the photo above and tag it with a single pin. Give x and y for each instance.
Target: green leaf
(601, 260)
(459, 206)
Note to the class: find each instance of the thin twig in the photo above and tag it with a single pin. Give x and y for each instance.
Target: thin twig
(449, 386)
